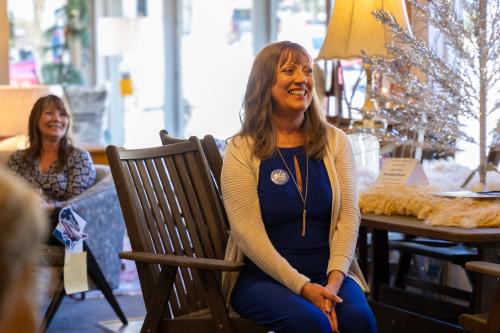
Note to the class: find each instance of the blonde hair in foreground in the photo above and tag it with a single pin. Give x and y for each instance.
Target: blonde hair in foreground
(22, 229)
(258, 107)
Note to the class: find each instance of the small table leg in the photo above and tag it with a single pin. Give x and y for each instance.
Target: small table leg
(380, 269)
(363, 250)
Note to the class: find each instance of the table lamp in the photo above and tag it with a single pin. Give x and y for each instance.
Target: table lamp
(353, 29)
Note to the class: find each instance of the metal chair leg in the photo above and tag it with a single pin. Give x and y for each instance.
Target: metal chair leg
(97, 276)
(54, 305)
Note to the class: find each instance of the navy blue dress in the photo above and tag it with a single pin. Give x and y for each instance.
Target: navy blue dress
(259, 297)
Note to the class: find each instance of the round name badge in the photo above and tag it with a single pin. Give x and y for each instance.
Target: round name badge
(279, 177)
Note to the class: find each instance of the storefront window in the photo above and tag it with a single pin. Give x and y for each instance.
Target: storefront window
(143, 64)
(49, 42)
(302, 22)
(216, 56)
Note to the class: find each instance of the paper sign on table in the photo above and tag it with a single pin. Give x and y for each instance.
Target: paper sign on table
(402, 171)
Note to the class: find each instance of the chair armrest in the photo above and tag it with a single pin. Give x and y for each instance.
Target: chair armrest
(183, 261)
(484, 267)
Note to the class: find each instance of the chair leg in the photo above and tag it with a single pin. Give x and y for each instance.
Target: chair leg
(156, 306)
(53, 306)
(215, 302)
(97, 276)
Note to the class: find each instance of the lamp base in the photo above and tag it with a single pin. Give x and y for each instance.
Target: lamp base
(370, 108)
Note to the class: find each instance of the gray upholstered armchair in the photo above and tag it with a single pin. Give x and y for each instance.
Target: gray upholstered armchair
(99, 206)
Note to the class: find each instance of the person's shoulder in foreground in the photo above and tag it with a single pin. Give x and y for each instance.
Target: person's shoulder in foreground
(22, 229)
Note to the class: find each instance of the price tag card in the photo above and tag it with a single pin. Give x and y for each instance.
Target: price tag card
(75, 272)
(402, 171)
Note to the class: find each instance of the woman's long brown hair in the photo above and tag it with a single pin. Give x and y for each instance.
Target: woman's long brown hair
(35, 138)
(258, 108)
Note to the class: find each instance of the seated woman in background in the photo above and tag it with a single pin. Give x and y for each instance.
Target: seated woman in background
(51, 163)
(22, 230)
(290, 195)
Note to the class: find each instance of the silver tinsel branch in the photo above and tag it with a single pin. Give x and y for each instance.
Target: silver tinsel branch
(465, 84)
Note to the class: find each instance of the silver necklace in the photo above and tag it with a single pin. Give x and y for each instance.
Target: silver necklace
(302, 196)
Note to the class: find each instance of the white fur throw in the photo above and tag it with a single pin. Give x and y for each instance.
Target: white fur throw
(419, 202)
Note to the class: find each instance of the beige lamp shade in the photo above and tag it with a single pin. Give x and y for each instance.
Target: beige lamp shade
(15, 107)
(353, 28)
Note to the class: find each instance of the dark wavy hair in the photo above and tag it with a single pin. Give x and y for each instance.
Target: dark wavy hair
(34, 136)
(258, 107)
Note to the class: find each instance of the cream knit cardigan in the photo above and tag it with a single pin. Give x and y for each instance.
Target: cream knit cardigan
(248, 237)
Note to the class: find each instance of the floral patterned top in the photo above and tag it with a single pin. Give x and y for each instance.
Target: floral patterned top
(77, 175)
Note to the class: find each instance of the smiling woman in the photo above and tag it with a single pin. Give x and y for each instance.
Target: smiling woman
(290, 196)
(51, 164)
(292, 91)
(52, 125)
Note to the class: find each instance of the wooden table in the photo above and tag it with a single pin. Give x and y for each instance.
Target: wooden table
(486, 240)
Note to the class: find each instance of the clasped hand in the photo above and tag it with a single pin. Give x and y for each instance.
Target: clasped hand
(325, 299)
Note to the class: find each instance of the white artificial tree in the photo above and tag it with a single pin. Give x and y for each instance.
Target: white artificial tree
(465, 84)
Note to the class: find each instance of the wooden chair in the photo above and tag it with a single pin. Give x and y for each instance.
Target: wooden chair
(178, 234)
(484, 322)
(446, 252)
(212, 154)
(210, 150)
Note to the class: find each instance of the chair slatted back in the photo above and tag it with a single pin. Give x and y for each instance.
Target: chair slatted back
(210, 150)
(170, 206)
(213, 156)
